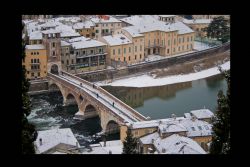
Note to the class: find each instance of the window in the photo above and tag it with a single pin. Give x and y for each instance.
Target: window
(83, 52)
(54, 53)
(168, 50)
(168, 42)
(62, 62)
(37, 53)
(183, 40)
(129, 58)
(34, 53)
(188, 39)
(135, 57)
(107, 30)
(140, 48)
(124, 59)
(183, 47)
(31, 60)
(38, 74)
(124, 50)
(37, 60)
(72, 61)
(34, 60)
(200, 127)
(162, 42)
(32, 74)
(67, 62)
(193, 128)
(191, 38)
(148, 42)
(174, 41)
(179, 48)
(129, 49)
(119, 51)
(119, 59)
(136, 133)
(111, 25)
(179, 40)
(140, 56)
(100, 50)
(97, 31)
(135, 48)
(28, 72)
(113, 51)
(154, 41)
(191, 47)
(53, 44)
(187, 46)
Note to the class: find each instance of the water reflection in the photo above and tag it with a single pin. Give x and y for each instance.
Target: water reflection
(135, 97)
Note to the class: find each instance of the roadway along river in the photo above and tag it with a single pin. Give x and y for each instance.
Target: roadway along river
(156, 102)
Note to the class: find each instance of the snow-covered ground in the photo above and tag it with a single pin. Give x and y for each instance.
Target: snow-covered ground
(148, 81)
(200, 45)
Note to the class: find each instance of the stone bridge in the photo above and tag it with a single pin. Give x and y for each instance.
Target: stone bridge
(93, 101)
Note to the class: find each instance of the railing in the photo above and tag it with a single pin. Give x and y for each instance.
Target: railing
(140, 116)
(66, 84)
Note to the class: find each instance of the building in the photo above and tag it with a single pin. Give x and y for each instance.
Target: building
(86, 29)
(198, 25)
(198, 130)
(105, 25)
(108, 147)
(35, 61)
(86, 55)
(161, 38)
(52, 43)
(66, 58)
(202, 114)
(56, 141)
(174, 144)
(123, 51)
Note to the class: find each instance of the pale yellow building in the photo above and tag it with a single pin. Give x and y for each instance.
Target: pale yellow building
(35, 62)
(105, 26)
(160, 38)
(123, 51)
(86, 29)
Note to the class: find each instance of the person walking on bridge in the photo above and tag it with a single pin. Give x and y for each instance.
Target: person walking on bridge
(113, 104)
(97, 95)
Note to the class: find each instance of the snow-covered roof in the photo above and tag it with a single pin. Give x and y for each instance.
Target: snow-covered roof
(50, 31)
(171, 127)
(53, 137)
(88, 43)
(77, 39)
(110, 20)
(147, 23)
(196, 127)
(176, 144)
(57, 152)
(118, 39)
(65, 34)
(187, 115)
(35, 47)
(115, 146)
(36, 35)
(132, 31)
(203, 113)
(153, 123)
(167, 15)
(86, 24)
(149, 139)
(197, 21)
(64, 43)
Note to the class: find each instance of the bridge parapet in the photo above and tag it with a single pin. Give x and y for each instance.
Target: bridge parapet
(115, 99)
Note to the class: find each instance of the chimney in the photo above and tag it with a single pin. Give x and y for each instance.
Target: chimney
(193, 118)
(163, 150)
(152, 141)
(41, 142)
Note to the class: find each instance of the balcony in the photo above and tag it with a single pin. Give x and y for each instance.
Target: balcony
(91, 55)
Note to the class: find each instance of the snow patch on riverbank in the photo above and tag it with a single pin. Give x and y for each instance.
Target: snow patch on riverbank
(148, 81)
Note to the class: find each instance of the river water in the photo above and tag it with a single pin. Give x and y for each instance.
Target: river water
(155, 102)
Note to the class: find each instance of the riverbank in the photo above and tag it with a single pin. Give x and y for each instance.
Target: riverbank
(148, 81)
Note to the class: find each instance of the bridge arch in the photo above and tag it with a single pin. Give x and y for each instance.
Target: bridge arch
(90, 111)
(112, 127)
